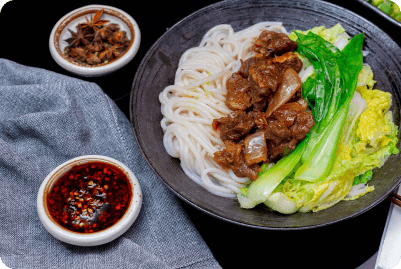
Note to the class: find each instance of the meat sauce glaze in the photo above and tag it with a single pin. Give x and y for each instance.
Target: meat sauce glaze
(269, 114)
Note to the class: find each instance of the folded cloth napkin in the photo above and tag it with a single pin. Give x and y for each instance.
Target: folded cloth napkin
(47, 119)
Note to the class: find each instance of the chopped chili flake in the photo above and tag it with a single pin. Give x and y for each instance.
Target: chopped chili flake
(76, 203)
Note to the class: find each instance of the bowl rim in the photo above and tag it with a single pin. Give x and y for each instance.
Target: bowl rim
(101, 69)
(133, 121)
(96, 238)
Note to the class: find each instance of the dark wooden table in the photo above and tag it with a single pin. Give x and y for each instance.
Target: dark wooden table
(25, 30)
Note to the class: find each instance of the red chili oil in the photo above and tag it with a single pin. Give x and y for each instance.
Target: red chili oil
(90, 197)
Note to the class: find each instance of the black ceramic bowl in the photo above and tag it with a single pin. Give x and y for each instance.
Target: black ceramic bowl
(157, 71)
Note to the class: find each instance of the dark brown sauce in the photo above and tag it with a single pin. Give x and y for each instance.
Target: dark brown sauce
(90, 197)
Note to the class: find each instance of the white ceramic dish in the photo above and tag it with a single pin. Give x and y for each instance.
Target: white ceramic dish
(88, 239)
(60, 33)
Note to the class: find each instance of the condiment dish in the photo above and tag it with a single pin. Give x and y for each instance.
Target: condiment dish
(92, 238)
(61, 33)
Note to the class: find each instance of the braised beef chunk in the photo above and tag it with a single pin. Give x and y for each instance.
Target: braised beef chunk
(265, 74)
(260, 96)
(277, 132)
(264, 38)
(265, 78)
(277, 150)
(288, 60)
(270, 43)
(288, 125)
(244, 69)
(238, 92)
(261, 105)
(302, 125)
(255, 148)
(235, 126)
(260, 120)
(288, 112)
(294, 63)
(232, 157)
(285, 57)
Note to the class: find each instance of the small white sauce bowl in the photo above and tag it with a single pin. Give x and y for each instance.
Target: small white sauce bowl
(88, 239)
(60, 33)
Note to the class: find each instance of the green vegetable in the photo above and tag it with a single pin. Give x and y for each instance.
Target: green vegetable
(386, 8)
(377, 2)
(318, 164)
(363, 178)
(316, 30)
(331, 35)
(320, 161)
(351, 65)
(268, 180)
(365, 77)
(355, 109)
(347, 164)
(280, 202)
(328, 91)
(354, 157)
(323, 57)
(396, 9)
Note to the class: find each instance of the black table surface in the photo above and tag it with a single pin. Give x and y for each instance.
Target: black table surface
(25, 31)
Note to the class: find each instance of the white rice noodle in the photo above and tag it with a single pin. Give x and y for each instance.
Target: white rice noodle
(198, 96)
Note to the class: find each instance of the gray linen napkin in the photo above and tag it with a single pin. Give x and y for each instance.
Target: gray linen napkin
(47, 119)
